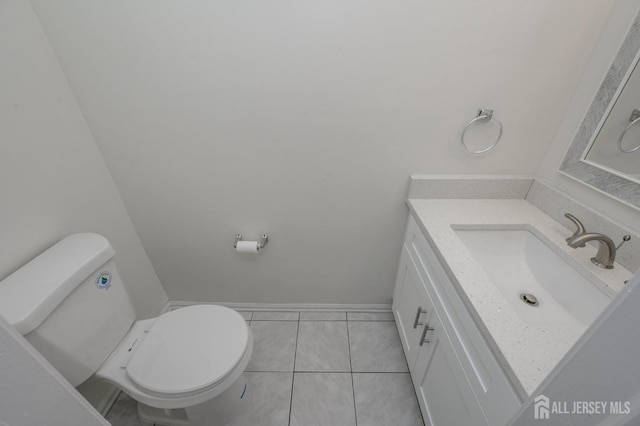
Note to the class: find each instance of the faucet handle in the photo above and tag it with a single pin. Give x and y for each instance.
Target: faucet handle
(580, 228)
(624, 240)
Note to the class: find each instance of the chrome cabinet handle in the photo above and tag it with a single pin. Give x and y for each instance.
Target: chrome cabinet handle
(415, 322)
(423, 338)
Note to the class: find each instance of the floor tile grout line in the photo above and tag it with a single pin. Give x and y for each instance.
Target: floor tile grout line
(293, 376)
(295, 347)
(327, 371)
(353, 387)
(293, 380)
(349, 347)
(415, 394)
(303, 371)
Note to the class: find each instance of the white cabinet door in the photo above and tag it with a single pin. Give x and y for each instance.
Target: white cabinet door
(444, 392)
(457, 377)
(411, 307)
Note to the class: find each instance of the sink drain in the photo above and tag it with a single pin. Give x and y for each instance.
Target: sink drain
(529, 299)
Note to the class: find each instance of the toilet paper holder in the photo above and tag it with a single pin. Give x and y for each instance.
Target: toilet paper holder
(264, 239)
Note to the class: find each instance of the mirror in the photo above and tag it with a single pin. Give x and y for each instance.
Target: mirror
(596, 155)
(616, 144)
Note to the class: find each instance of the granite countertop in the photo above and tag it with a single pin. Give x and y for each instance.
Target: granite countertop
(527, 352)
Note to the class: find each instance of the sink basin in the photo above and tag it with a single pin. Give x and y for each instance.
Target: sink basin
(521, 265)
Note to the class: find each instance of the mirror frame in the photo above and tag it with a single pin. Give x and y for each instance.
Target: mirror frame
(625, 190)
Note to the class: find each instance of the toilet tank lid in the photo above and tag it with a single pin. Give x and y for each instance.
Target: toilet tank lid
(32, 292)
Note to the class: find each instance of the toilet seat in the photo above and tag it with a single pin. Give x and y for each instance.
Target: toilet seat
(188, 350)
(181, 358)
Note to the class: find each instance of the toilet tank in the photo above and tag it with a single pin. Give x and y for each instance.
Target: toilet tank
(70, 304)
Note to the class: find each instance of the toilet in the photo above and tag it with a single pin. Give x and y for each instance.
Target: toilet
(184, 367)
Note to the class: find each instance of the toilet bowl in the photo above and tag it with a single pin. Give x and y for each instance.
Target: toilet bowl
(184, 367)
(181, 360)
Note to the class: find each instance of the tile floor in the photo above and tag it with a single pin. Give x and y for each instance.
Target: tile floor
(319, 368)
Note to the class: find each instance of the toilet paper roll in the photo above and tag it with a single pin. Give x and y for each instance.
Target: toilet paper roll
(247, 247)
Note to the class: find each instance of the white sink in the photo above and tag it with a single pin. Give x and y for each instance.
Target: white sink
(521, 263)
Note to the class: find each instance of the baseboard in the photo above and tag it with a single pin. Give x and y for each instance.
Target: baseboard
(100, 394)
(166, 307)
(317, 307)
(108, 400)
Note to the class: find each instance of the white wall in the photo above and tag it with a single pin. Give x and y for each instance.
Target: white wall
(53, 180)
(304, 120)
(621, 18)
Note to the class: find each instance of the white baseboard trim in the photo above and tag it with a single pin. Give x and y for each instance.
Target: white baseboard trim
(166, 307)
(317, 307)
(108, 400)
(99, 393)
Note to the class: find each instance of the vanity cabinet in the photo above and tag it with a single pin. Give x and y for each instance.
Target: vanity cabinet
(412, 307)
(444, 393)
(458, 380)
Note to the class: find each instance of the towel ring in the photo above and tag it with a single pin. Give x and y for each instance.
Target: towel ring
(483, 115)
(634, 119)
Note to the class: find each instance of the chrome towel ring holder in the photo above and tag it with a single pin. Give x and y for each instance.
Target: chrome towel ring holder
(634, 119)
(484, 115)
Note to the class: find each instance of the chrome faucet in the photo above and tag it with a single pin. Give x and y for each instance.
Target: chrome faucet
(580, 228)
(607, 249)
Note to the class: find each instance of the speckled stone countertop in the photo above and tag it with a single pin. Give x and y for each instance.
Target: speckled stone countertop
(527, 352)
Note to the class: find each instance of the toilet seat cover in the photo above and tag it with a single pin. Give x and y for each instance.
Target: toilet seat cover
(189, 349)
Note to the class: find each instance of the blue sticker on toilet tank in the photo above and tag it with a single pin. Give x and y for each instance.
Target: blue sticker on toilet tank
(103, 280)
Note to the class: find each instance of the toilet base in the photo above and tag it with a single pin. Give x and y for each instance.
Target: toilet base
(217, 412)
